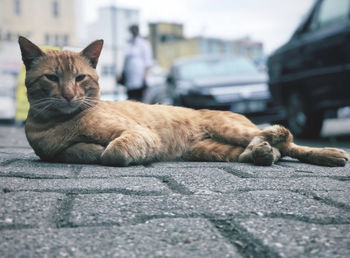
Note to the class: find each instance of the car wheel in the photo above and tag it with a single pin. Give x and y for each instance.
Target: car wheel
(301, 122)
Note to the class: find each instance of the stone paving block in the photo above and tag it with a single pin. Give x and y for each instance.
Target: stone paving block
(207, 180)
(18, 152)
(291, 238)
(95, 171)
(156, 238)
(27, 208)
(239, 169)
(314, 170)
(34, 168)
(287, 168)
(122, 184)
(119, 209)
(13, 136)
(105, 172)
(188, 164)
(8, 154)
(288, 209)
(247, 170)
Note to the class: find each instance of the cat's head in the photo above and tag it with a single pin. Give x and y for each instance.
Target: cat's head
(60, 82)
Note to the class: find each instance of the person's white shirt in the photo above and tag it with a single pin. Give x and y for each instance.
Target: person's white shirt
(138, 57)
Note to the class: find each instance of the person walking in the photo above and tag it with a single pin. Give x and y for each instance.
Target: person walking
(137, 63)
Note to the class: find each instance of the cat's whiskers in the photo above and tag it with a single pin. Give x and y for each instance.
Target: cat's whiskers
(40, 111)
(87, 102)
(42, 102)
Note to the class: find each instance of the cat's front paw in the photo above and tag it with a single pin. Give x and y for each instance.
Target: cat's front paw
(115, 157)
(262, 154)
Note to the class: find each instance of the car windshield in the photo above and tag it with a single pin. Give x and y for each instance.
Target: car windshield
(216, 68)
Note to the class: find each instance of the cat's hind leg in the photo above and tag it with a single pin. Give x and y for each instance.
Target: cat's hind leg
(228, 127)
(132, 147)
(211, 150)
(282, 139)
(331, 157)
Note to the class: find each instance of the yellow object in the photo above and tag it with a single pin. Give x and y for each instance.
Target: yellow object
(22, 105)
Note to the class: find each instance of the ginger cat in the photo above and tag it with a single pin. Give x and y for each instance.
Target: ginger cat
(67, 122)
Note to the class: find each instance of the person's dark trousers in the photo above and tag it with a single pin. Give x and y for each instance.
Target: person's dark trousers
(136, 94)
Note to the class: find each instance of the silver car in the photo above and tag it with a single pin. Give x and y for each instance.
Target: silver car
(222, 83)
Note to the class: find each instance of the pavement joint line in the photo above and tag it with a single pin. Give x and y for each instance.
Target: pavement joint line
(32, 176)
(173, 185)
(303, 171)
(9, 162)
(324, 221)
(236, 172)
(340, 178)
(16, 227)
(324, 200)
(246, 244)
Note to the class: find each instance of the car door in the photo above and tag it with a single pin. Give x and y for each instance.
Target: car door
(325, 51)
(287, 65)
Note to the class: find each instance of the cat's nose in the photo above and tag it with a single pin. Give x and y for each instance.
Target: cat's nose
(68, 96)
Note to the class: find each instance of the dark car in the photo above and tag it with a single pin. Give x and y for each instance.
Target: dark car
(222, 83)
(310, 74)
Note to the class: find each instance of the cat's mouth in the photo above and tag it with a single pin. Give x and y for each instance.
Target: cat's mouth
(68, 107)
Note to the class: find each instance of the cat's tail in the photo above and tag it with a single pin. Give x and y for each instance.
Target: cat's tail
(281, 138)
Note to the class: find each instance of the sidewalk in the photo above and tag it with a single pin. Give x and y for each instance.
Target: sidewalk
(184, 209)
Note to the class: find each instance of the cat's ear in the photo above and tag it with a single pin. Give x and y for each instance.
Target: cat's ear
(30, 51)
(92, 52)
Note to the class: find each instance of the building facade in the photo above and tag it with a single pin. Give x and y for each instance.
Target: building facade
(45, 22)
(169, 44)
(163, 32)
(112, 25)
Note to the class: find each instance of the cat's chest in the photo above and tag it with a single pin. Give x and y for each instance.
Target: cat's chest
(102, 127)
(49, 139)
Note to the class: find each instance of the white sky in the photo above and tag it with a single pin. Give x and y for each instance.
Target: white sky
(269, 21)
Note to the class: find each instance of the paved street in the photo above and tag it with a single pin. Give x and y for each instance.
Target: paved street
(183, 209)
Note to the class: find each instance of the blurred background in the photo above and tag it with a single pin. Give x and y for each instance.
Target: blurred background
(275, 61)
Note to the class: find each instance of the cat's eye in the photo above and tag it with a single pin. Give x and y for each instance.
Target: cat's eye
(51, 77)
(80, 77)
